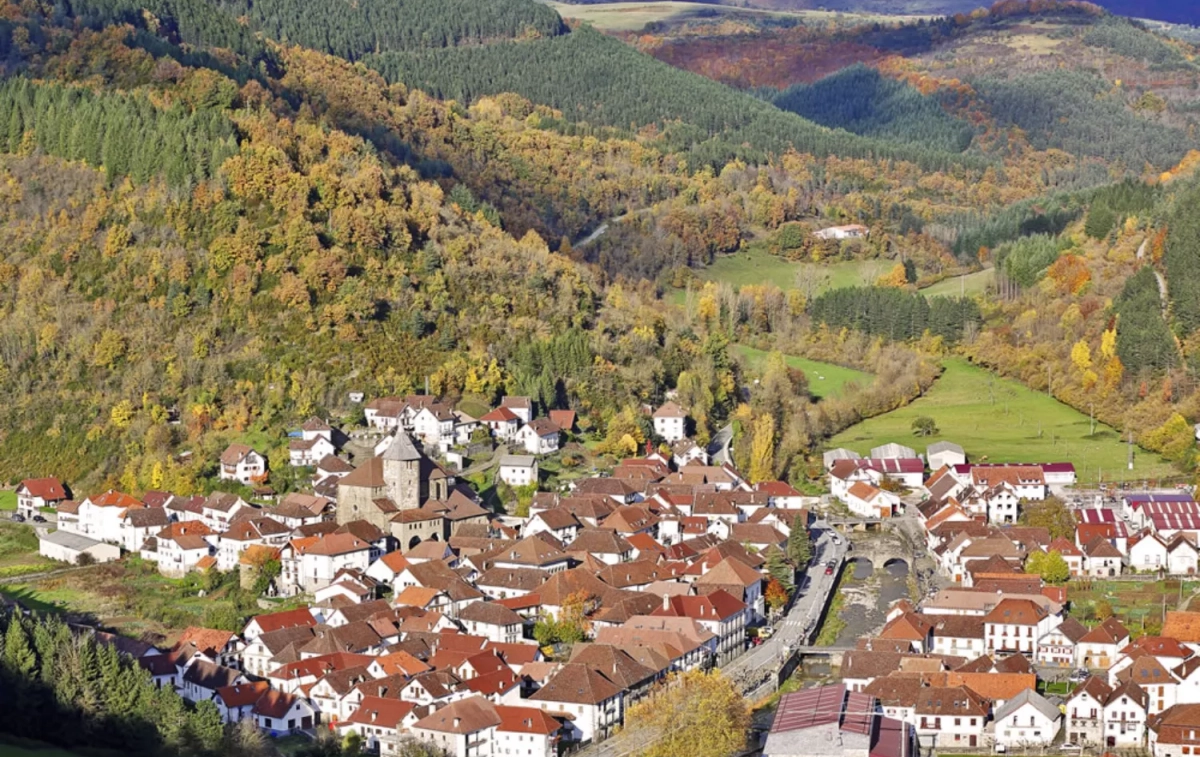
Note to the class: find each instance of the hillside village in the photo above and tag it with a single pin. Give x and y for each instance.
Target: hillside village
(422, 613)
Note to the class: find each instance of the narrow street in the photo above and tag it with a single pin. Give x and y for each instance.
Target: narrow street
(754, 672)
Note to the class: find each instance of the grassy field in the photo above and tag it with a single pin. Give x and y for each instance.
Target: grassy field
(632, 16)
(19, 550)
(968, 285)
(999, 420)
(129, 596)
(824, 379)
(755, 265)
(8, 500)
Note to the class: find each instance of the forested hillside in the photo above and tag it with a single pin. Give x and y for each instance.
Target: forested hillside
(594, 78)
(349, 30)
(860, 100)
(1078, 113)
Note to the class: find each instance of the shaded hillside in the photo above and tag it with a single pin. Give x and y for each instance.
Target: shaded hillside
(860, 100)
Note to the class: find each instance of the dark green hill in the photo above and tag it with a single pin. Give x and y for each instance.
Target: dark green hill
(348, 30)
(860, 100)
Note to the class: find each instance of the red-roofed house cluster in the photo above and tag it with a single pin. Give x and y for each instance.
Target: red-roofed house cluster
(421, 604)
(962, 669)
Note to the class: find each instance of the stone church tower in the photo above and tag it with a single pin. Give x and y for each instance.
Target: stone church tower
(402, 464)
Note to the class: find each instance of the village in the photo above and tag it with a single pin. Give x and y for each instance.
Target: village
(421, 613)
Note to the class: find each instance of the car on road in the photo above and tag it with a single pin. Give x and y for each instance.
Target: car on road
(18, 518)
(38, 519)
(1078, 676)
(829, 570)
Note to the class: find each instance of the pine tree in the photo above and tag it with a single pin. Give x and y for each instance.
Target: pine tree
(799, 547)
(19, 658)
(780, 570)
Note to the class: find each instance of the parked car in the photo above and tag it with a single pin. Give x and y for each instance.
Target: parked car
(1078, 676)
(829, 570)
(39, 519)
(18, 518)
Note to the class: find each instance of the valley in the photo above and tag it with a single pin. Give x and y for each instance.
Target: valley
(417, 378)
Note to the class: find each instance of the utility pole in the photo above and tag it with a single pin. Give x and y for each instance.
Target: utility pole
(1049, 383)
(1092, 413)
(1130, 450)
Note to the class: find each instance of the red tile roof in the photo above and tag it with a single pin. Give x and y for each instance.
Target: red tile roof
(49, 489)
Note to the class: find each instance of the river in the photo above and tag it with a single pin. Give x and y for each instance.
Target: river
(868, 595)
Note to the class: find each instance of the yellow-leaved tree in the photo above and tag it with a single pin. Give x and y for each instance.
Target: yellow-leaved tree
(762, 449)
(1081, 356)
(696, 715)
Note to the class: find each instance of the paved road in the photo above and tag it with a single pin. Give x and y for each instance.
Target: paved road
(719, 447)
(754, 672)
(800, 624)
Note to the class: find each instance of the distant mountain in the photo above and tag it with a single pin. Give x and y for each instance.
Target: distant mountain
(1172, 11)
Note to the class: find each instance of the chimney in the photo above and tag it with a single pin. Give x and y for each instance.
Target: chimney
(457, 721)
(373, 716)
(666, 602)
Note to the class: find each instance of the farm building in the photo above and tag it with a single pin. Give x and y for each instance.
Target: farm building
(851, 231)
(68, 547)
(944, 453)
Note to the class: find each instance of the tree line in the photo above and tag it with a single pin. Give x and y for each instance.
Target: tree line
(62, 688)
(127, 135)
(896, 314)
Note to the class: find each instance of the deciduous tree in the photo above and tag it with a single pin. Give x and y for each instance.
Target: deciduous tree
(1051, 514)
(704, 715)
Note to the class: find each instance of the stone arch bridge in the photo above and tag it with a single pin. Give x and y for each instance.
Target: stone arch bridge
(884, 551)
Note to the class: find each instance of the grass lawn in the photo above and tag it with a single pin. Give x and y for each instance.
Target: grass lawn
(824, 379)
(969, 285)
(1000, 420)
(258, 439)
(474, 407)
(8, 500)
(19, 550)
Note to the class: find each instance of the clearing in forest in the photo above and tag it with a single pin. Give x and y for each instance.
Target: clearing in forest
(824, 379)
